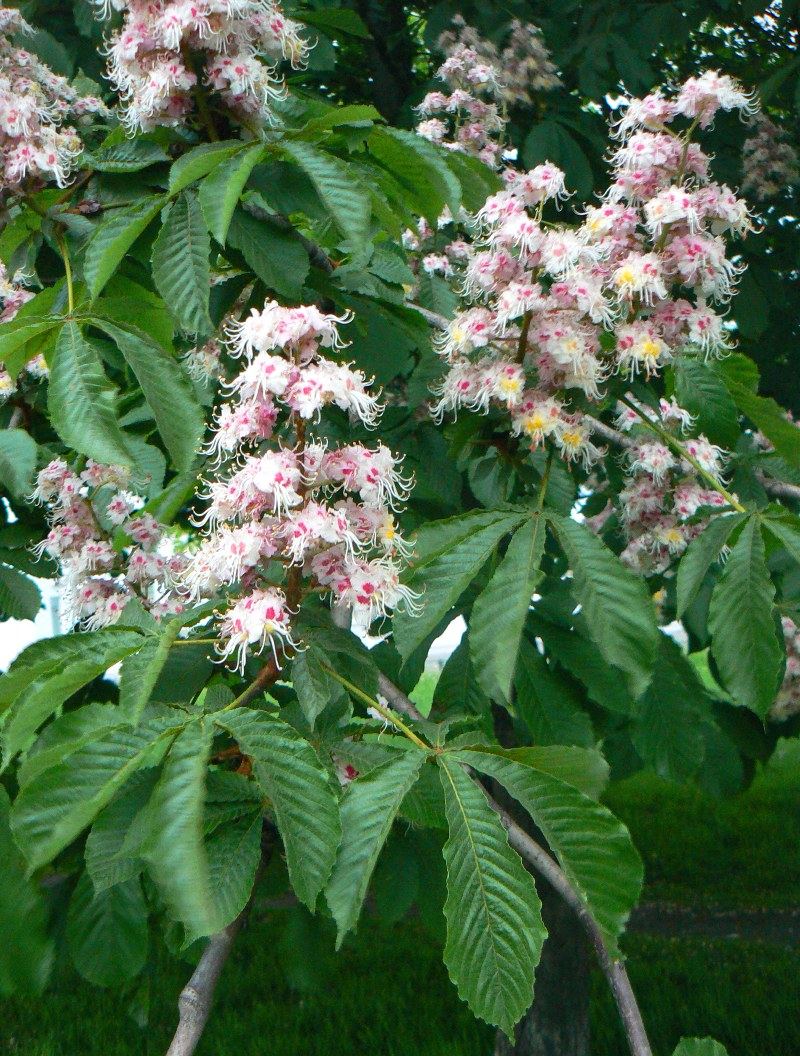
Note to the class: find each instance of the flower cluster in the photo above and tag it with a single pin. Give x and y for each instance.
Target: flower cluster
(35, 144)
(481, 81)
(787, 703)
(770, 165)
(664, 504)
(101, 570)
(166, 49)
(13, 294)
(551, 311)
(287, 505)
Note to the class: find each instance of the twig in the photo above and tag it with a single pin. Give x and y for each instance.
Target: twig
(316, 254)
(538, 858)
(194, 1003)
(197, 997)
(779, 488)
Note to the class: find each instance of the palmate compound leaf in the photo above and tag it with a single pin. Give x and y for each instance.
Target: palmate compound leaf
(450, 554)
(499, 612)
(494, 924)
(174, 848)
(592, 846)
(181, 265)
(368, 808)
(47, 673)
(299, 791)
(26, 952)
(59, 803)
(615, 603)
(744, 641)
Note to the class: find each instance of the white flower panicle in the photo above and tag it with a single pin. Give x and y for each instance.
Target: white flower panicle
(664, 505)
(470, 116)
(166, 49)
(283, 502)
(98, 579)
(36, 143)
(770, 164)
(550, 311)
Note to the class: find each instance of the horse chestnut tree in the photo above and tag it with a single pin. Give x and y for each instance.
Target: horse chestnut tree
(286, 390)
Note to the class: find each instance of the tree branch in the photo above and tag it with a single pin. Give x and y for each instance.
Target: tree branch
(197, 997)
(194, 1003)
(538, 859)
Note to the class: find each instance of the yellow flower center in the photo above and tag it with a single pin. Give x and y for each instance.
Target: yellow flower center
(625, 277)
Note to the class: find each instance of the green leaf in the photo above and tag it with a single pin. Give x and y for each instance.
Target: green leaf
(494, 924)
(63, 800)
(17, 461)
(700, 555)
(667, 734)
(113, 238)
(107, 931)
(450, 555)
(477, 180)
(200, 161)
(369, 806)
(234, 853)
(220, 191)
(166, 388)
(769, 418)
(333, 20)
(20, 598)
(109, 860)
(548, 703)
(15, 350)
(499, 613)
(132, 155)
(174, 849)
(616, 603)
(340, 191)
(276, 257)
(550, 141)
(26, 952)
(298, 786)
(699, 1047)
(419, 167)
(38, 689)
(744, 642)
(140, 672)
(592, 846)
(458, 687)
(311, 682)
(583, 768)
(181, 268)
(80, 400)
(785, 527)
(701, 389)
(65, 735)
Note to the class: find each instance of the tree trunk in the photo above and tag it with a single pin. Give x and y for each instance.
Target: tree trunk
(557, 1024)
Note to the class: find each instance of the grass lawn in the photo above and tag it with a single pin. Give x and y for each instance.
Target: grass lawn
(387, 993)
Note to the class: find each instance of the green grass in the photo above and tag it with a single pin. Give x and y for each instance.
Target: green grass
(387, 993)
(732, 853)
